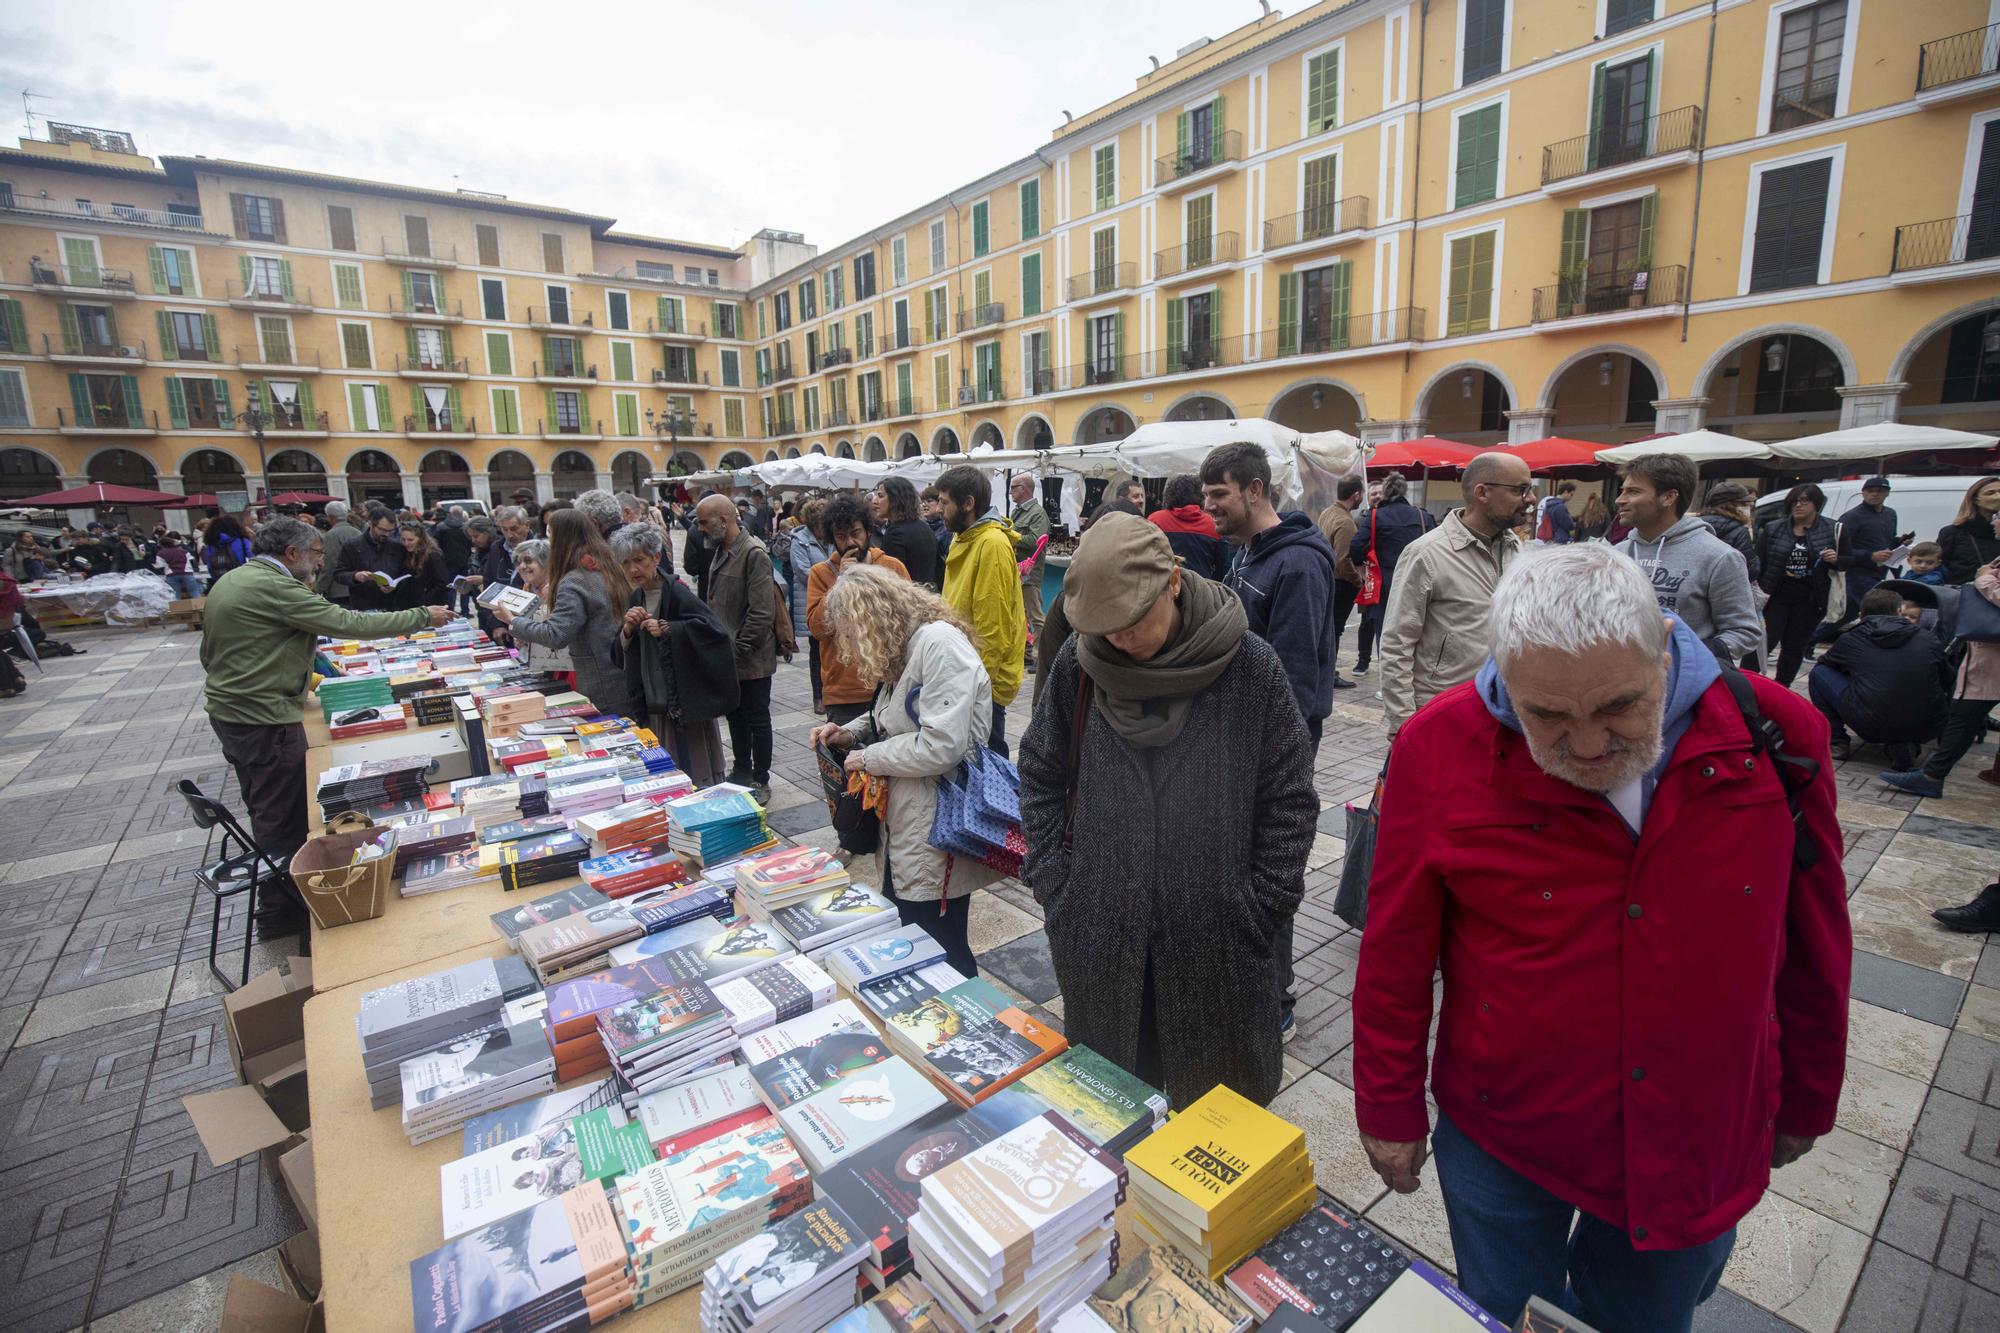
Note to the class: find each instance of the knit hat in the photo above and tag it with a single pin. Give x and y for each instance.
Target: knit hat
(1120, 568)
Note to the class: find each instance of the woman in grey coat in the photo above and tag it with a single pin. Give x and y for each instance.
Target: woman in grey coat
(806, 550)
(584, 585)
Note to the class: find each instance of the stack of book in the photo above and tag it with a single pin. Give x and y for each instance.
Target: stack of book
(579, 941)
(816, 926)
(770, 880)
(775, 992)
(492, 804)
(719, 823)
(574, 800)
(536, 860)
(510, 755)
(374, 720)
(683, 1211)
(659, 789)
(680, 1032)
(562, 1264)
(371, 782)
(514, 830)
(632, 870)
(797, 1275)
(1219, 1179)
(513, 921)
(630, 822)
(505, 714)
(1109, 1106)
(1160, 1278)
(691, 1113)
(575, 1001)
(809, 1027)
(1328, 1265)
(1021, 1229)
(534, 799)
(411, 1017)
(536, 1116)
(658, 910)
(444, 1087)
(433, 708)
(707, 949)
(971, 1038)
(568, 703)
(496, 1181)
(420, 842)
(842, 1093)
(452, 870)
(883, 957)
(339, 695)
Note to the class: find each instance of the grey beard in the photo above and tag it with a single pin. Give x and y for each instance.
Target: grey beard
(1633, 760)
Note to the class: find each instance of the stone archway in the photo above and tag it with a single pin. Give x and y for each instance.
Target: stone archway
(205, 471)
(508, 472)
(1953, 372)
(25, 472)
(987, 433)
(684, 462)
(1034, 432)
(944, 440)
(373, 475)
(1467, 402)
(1317, 405)
(845, 449)
(733, 460)
(1200, 406)
(907, 446)
(873, 451)
(631, 472)
(443, 474)
(1604, 395)
(1785, 384)
(296, 470)
(572, 475)
(1108, 422)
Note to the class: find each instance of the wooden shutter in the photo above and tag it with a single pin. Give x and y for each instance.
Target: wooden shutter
(66, 318)
(409, 293)
(347, 286)
(249, 274)
(1031, 284)
(357, 407)
(981, 228)
(1323, 92)
(340, 226)
(1791, 213)
(488, 238)
(170, 347)
(1031, 209)
(410, 344)
(1176, 335)
(941, 382)
(444, 342)
(1288, 314)
(982, 290)
(1470, 308)
(1478, 157)
(211, 338)
(177, 412)
(1340, 292)
(1649, 209)
(1320, 215)
(224, 413)
(457, 410)
(1118, 344)
(1215, 123)
(278, 221)
(17, 324)
(506, 412)
(135, 416)
(1595, 143)
(549, 426)
(621, 361)
(307, 413)
(156, 262)
(382, 412)
(499, 354)
(1181, 141)
(79, 400)
(238, 218)
(1575, 256)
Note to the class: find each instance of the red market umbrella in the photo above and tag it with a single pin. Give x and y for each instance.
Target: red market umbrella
(100, 493)
(199, 500)
(299, 498)
(1555, 454)
(1427, 454)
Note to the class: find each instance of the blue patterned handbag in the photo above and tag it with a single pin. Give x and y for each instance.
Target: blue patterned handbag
(978, 811)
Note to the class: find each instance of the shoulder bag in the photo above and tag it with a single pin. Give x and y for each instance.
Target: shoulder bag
(1371, 569)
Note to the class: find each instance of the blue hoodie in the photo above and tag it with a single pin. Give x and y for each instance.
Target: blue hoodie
(1688, 678)
(1285, 580)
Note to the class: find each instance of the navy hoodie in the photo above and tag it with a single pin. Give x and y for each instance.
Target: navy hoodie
(1285, 580)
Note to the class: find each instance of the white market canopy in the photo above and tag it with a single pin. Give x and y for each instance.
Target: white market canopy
(1881, 440)
(1697, 446)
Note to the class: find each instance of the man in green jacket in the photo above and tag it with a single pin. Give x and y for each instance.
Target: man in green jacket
(259, 627)
(1031, 524)
(982, 584)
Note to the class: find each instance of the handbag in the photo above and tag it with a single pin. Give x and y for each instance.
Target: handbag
(855, 824)
(1978, 619)
(1357, 866)
(978, 810)
(1371, 570)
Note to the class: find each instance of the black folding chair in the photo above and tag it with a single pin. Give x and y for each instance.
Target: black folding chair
(244, 868)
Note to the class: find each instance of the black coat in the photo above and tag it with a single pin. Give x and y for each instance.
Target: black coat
(456, 543)
(1774, 545)
(1898, 682)
(1864, 531)
(1738, 536)
(361, 555)
(691, 676)
(1205, 555)
(430, 585)
(1967, 546)
(1388, 528)
(912, 542)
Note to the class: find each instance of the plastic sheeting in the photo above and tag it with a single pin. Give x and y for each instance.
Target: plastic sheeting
(117, 599)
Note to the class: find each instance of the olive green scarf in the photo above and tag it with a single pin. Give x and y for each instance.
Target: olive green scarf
(1147, 702)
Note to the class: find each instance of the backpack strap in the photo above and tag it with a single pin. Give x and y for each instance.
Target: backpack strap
(1795, 771)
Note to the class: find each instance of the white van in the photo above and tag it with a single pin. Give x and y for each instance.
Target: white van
(1923, 505)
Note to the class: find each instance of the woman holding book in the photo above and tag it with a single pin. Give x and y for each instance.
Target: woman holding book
(584, 584)
(677, 656)
(531, 571)
(426, 578)
(933, 707)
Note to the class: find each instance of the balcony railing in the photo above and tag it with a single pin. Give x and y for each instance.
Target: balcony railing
(439, 423)
(138, 217)
(676, 423)
(1965, 55)
(452, 311)
(114, 280)
(277, 356)
(1322, 332)
(399, 252)
(1676, 131)
(432, 365)
(582, 426)
(108, 417)
(669, 328)
(259, 293)
(872, 410)
(782, 372)
(279, 417)
(562, 370)
(1221, 247)
(81, 346)
(836, 356)
(1959, 240)
(993, 312)
(1805, 105)
(837, 417)
(1038, 381)
(897, 340)
(1102, 279)
(1317, 222)
(104, 141)
(1629, 290)
(543, 317)
(1100, 370)
(674, 375)
(896, 405)
(1212, 151)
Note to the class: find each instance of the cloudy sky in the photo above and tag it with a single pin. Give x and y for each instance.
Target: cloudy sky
(697, 121)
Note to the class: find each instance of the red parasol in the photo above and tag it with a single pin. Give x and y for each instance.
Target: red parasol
(97, 494)
(199, 500)
(1427, 454)
(299, 498)
(1556, 454)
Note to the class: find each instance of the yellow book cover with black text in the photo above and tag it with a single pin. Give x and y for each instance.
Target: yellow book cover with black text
(1219, 1149)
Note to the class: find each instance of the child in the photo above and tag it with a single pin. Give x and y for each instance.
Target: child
(1926, 563)
(1915, 614)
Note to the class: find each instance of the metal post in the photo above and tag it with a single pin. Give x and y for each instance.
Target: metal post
(255, 417)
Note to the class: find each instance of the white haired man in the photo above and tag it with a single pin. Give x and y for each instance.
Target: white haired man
(1645, 957)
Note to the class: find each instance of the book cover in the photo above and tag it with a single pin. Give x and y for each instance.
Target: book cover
(857, 1110)
(909, 949)
(469, 988)
(663, 909)
(675, 1010)
(517, 830)
(775, 992)
(549, 907)
(832, 914)
(1095, 1095)
(717, 950)
(525, 1118)
(784, 1263)
(668, 1200)
(1213, 1153)
(800, 1073)
(1328, 1264)
(590, 931)
(1160, 1288)
(988, 1055)
(893, 995)
(573, 1004)
(466, 1065)
(1423, 1300)
(502, 1180)
(505, 1266)
(773, 1041)
(906, 1307)
(1031, 1182)
(609, 1147)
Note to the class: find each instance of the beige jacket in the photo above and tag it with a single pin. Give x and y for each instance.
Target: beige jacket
(1434, 631)
(1336, 524)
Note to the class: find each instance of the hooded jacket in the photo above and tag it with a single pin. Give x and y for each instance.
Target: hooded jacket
(983, 583)
(1286, 582)
(1738, 535)
(1704, 581)
(1701, 999)
(1191, 532)
(1898, 683)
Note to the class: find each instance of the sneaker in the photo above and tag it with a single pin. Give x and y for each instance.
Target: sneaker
(1916, 782)
(761, 793)
(1288, 1027)
(1981, 914)
(1361, 667)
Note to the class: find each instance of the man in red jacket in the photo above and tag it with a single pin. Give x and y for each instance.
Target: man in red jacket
(1645, 967)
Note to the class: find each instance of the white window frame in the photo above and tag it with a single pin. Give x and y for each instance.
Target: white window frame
(1095, 149)
(1090, 257)
(627, 298)
(974, 283)
(1027, 365)
(192, 289)
(944, 308)
(724, 355)
(1768, 84)
(1975, 134)
(1603, 17)
(360, 280)
(493, 406)
(638, 416)
(940, 247)
(614, 344)
(899, 262)
(637, 264)
(1305, 87)
(1753, 201)
(1656, 49)
(1451, 165)
(1499, 229)
(1339, 172)
(63, 237)
(908, 322)
(370, 402)
(257, 318)
(741, 415)
(486, 347)
(501, 283)
(255, 260)
(27, 400)
(1506, 44)
(549, 302)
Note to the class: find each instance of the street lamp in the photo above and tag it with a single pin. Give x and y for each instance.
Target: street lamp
(253, 417)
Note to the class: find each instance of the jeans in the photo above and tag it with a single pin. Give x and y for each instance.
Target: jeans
(1513, 1239)
(1344, 594)
(750, 732)
(997, 739)
(1789, 619)
(270, 766)
(1827, 686)
(183, 586)
(1371, 628)
(1961, 729)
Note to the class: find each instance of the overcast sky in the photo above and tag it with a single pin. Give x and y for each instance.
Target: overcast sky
(704, 122)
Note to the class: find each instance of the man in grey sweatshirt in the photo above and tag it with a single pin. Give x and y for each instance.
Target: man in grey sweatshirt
(1695, 574)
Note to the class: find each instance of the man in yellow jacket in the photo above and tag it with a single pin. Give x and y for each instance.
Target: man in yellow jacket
(983, 584)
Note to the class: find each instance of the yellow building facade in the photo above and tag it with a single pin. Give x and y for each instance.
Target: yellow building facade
(1491, 220)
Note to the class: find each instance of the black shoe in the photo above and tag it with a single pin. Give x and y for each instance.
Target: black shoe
(1902, 756)
(1342, 683)
(1982, 913)
(1841, 748)
(1361, 667)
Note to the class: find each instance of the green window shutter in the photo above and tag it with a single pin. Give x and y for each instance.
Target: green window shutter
(306, 409)
(417, 404)
(981, 230)
(1594, 144)
(17, 325)
(621, 361)
(499, 354)
(1031, 284)
(1215, 319)
(1118, 342)
(410, 343)
(1215, 130)
(79, 401)
(170, 348)
(66, 317)
(1031, 209)
(409, 302)
(382, 408)
(445, 342)
(1288, 314)
(1649, 208)
(347, 286)
(157, 263)
(1575, 255)
(550, 422)
(134, 415)
(1478, 176)
(1321, 218)
(285, 278)
(210, 337)
(982, 289)
(1322, 92)
(247, 279)
(1181, 137)
(177, 411)
(111, 325)
(223, 411)
(548, 355)
(354, 346)
(1176, 316)
(628, 414)
(357, 407)
(1469, 304)
(506, 412)
(1342, 294)
(458, 421)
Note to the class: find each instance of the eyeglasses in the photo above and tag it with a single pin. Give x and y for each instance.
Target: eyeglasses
(1518, 487)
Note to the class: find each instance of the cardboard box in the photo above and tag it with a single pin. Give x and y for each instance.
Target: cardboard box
(298, 1265)
(234, 1122)
(251, 1307)
(267, 1015)
(295, 1167)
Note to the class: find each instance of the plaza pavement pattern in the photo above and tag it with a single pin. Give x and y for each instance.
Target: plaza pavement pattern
(112, 1218)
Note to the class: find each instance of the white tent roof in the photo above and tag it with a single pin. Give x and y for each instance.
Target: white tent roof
(1878, 441)
(1698, 446)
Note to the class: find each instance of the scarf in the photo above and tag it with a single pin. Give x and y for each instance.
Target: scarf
(1147, 702)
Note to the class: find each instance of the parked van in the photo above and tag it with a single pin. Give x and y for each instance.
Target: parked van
(1923, 505)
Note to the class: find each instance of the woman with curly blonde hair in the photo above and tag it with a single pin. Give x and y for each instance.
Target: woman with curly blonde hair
(932, 708)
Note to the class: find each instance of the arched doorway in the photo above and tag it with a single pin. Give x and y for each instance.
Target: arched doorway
(1033, 433)
(817, 448)
(508, 473)
(573, 474)
(1201, 407)
(444, 475)
(845, 449)
(1104, 423)
(373, 475)
(1468, 404)
(123, 467)
(770, 456)
(734, 459)
(1954, 375)
(205, 471)
(296, 470)
(1776, 386)
(944, 441)
(907, 446)
(873, 451)
(1604, 395)
(792, 451)
(25, 472)
(1317, 405)
(988, 434)
(686, 461)
(631, 472)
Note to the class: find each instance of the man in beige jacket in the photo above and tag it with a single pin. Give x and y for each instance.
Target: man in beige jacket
(1434, 632)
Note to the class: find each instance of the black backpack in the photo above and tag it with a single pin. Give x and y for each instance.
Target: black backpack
(1795, 771)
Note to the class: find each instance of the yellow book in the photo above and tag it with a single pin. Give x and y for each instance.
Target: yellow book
(1219, 1259)
(1213, 1153)
(1246, 1212)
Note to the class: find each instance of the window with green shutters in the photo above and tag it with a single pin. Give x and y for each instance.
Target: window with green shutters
(13, 399)
(1320, 218)
(864, 335)
(732, 367)
(728, 319)
(1031, 209)
(1104, 258)
(506, 412)
(680, 408)
(80, 257)
(622, 361)
(1323, 91)
(732, 417)
(982, 289)
(347, 287)
(1200, 230)
(1477, 177)
(368, 407)
(354, 350)
(1031, 283)
(941, 382)
(1288, 314)
(899, 261)
(937, 246)
(986, 372)
(274, 337)
(811, 397)
(982, 231)
(1104, 176)
(670, 315)
(172, 270)
(186, 335)
(1484, 39)
(905, 388)
(499, 354)
(13, 326)
(808, 299)
(625, 408)
(1469, 294)
(788, 417)
(836, 296)
(934, 314)
(1198, 138)
(1622, 15)
(762, 326)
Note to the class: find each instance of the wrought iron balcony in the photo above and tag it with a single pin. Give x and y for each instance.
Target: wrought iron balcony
(562, 372)
(122, 213)
(107, 418)
(837, 417)
(272, 359)
(836, 356)
(1100, 370)
(1103, 279)
(1215, 151)
(260, 293)
(993, 312)
(291, 420)
(399, 252)
(440, 366)
(1807, 104)
(1037, 382)
(113, 282)
(581, 428)
(541, 317)
(873, 410)
(1322, 331)
(1962, 56)
(1221, 247)
(1946, 241)
(674, 424)
(434, 311)
(667, 328)
(1676, 131)
(895, 405)
(84, 351)
(782, 372)
(1318, 222)
(1629, 291)
(674, 375)
(439, 423)
(104, 141)
(900, 340)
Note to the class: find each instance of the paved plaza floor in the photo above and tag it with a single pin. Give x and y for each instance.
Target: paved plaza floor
(112, 1218)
